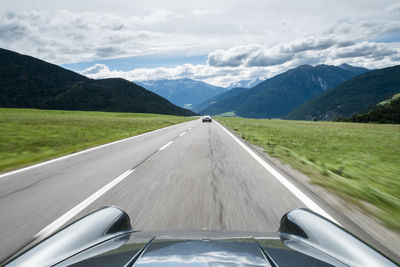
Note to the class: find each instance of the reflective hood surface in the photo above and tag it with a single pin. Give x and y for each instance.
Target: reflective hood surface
(201, 248)
(203, 253)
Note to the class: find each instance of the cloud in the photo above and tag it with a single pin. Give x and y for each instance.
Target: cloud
(10, 32)
(242, 40)
(232, 57)
(98, 69)
(394, 10)
(310, 43)
(265, 59)
(368, 50)
(214, 75)
(249, 56)
(310, 50)
(123, 28)
(225, 67)
(65, 36)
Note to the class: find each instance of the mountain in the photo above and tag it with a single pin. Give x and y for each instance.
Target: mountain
(27, 82)
(359, 94)
(185, 93)
(245, 83)
(279, 95)
(355, 70)
(218, 98)
(387, 111)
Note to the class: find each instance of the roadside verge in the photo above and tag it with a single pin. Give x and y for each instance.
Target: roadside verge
(354, 218)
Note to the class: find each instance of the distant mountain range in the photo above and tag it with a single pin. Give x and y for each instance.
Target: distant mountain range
(219, 98)
(322, 92)
(27, 82)
(185, 93)
(245, 83)
(357, 95)
(277, 96)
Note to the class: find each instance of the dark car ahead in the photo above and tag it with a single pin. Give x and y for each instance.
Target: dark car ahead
(206, 119)
(105, 238)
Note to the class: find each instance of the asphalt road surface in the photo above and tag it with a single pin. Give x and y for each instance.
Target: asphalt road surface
(189, 176)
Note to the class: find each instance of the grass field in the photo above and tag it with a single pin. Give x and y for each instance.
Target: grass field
(360, 162)
(29, 136)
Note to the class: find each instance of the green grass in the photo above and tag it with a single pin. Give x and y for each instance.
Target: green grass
(388, 101)
(29, 136)
(360, 162)
(228, 114)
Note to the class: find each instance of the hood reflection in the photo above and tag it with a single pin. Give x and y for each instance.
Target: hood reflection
(203, 253)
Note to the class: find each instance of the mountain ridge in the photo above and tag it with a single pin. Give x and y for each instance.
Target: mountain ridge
(28, 82)
(232, 92)
(184, 92)
(359, 94)
(277, 96)
(248, 83)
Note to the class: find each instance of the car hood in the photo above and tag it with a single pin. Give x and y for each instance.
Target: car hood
(199, 248)
(106, 238)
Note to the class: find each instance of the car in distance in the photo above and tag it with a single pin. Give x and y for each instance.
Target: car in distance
(207, 119)
(106, 238)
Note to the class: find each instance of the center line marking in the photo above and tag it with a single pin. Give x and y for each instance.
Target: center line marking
(54, 226)
(291, 187)
(182, 134)
(85, 151)
(165, 146)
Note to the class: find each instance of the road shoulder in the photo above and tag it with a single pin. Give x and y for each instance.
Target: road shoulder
(355, 219)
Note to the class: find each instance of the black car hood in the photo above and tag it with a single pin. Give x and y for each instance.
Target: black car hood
(199, 248)
(106, 238)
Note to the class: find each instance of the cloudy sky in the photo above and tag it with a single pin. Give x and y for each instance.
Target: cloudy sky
(216, 41)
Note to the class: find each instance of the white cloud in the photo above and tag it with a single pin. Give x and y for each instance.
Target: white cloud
(309, 43)
(243, 39)
(98, 70)
(64, 36)
(306, 51)
(214, 75)
(249, 56)
(368, 50)
(76, 31)
(395, 9)
(256, 61)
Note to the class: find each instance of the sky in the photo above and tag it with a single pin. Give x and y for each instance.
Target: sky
(218, 41)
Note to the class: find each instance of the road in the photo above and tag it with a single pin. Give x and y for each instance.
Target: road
(189, 176)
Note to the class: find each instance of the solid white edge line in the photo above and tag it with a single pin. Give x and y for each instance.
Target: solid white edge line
(165, 146)
(291, 187)
(82, 152)
(182, 134)
(54, 226)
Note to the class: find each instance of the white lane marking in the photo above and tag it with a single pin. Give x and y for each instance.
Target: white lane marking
(82, 152)
(182, 134)
(291, 187)
(165, 146)
(190, 128)
(54, 226)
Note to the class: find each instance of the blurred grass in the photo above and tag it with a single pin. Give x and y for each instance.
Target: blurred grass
(228, 114)
(29, 136)
(360, 162)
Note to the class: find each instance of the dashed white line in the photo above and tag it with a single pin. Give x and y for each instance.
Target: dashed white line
(190, 128)
(54, 226)
(82, 152)
(291, 187)
(166, 145)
